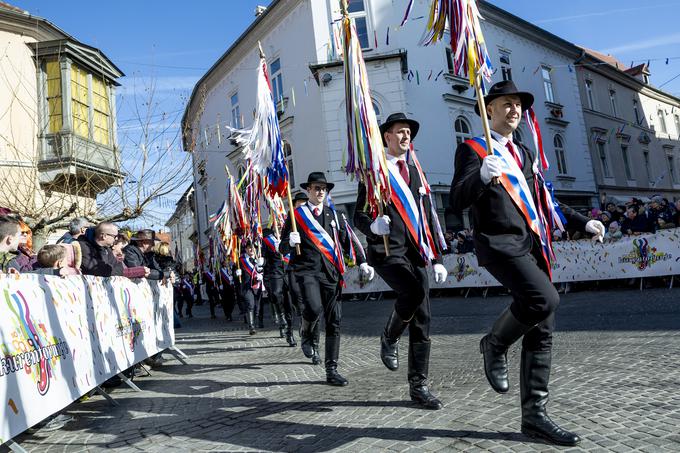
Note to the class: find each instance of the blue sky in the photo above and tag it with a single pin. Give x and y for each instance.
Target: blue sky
(173, 43)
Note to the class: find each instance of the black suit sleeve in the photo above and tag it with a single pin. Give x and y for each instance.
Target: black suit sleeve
(467, 185)
(362, 218)
(575, 220)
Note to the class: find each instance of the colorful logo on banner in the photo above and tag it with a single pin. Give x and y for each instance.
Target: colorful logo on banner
(643, 256)
(130, 327)
(30, 348)
(463, 269)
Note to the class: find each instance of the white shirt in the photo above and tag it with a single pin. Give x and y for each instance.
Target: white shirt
(394, 159)
(504, 140)
(311, 207)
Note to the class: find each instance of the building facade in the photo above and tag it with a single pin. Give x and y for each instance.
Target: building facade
(182, 227)
(301, 41)
(57, 119)
(634, 130)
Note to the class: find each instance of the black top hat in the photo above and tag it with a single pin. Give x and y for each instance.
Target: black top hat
(398, 118)
(506, 88)
(317, 176)
(144, 235)
(300, 196)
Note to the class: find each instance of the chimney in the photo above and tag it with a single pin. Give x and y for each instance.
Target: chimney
(259, 10)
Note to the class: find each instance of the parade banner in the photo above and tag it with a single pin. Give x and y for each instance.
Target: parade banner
(61, 337)
(649, 255)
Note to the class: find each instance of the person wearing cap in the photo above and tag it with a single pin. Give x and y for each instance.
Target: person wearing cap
(508, 247)
(319, 270)
(139, 252)
(405, 269)
(251, 277)
(292, 296)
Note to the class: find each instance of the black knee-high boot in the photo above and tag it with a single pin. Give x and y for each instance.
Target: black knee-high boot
(389, 341)
(534, 379)
(331, 362)
(494, 347)
(307, 337)
(418, 367)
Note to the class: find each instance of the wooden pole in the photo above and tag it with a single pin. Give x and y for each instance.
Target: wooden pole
(485, 120)
(291, 215)
(386, 238)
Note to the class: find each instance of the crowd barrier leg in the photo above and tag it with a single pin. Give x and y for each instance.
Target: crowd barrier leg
(129, 383)
(641, 280)
(179, 355)
(106, 396)
(15, 447)
(671, 284)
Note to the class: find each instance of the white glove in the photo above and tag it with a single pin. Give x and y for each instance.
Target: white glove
(491, 168)
(260, 261)
(258, 277)
(440, 273)
(381, 226)
(238, 272)
(294, 239)
(597, 229)
(367, 270)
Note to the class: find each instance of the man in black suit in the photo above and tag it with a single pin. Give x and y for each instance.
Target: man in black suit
(404, 270)
(508, 247)
(318, 270)
(273, 276)
(250, 290)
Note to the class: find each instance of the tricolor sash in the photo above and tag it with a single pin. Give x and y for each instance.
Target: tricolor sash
(410, 212)
(270, 242)
(515, 184)
(224, 273)
(319, 237)
(250, 269)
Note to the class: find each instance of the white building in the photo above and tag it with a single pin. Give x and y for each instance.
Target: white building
(182, 227)
(297, 37)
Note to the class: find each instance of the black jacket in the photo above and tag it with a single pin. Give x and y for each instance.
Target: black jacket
(135, 257)
(400, 241)
(98, 260)
(499, 229)
(246, 279)
(310, 260)
(273, 263)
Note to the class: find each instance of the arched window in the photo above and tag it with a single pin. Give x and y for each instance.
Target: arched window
(463, 130)
(288, 154)
(560, 157)
(378, 111)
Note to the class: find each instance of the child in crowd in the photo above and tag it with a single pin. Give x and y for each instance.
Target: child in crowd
(52, 260)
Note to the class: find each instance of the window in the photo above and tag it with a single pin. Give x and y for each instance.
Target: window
(463, 131)
(288, 154)
(79, 102)
(638, 120)
(671, 167)
(626, 162)
(612, 102)
(276, 79)
(357, 12)
(589, 94)
(645, 156)
(677, 124)
(54, 111)
(506, 70)
(662, 121)
(547, 84)
(561, 159)
(102, 111)
(378, 112)
(449, 59)
(602, 153)
(235, 112)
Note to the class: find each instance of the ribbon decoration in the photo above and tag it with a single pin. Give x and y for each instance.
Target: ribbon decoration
(353, 242)
(365, 158)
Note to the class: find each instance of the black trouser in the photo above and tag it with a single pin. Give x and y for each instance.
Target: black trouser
(535, 299)
(413, 294)
(187, 297)
(274, 285)
(320, 296)
(251, 299)
(213, 298)
(293, 301)
(228, 299)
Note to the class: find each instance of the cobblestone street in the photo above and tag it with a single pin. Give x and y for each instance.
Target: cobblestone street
(615, 382)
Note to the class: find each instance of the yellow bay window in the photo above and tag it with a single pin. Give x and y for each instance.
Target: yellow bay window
(79, 102)
(102, 111)
(54, 110)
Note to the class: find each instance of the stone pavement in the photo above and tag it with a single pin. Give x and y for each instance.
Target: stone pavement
(616, 382)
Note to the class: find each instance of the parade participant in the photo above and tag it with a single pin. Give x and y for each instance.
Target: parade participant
(251, 284)
(318, 270)
(513, 244)
(212, 290)
(187, 291)
(228, 293)
(404, 270)
(292, 301)
(273, 276)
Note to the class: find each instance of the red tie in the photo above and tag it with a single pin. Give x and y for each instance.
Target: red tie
(316, 212)
(403, 171)
(514, 154)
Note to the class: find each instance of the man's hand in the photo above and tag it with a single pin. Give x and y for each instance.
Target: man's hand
(440, 273)
(294, 239)
(172, 278)
(147, 271)
(260, 261)
(597, 229)
(367, 270)
(238, 272)
(491, 168)
(258, 277)
(381, 226)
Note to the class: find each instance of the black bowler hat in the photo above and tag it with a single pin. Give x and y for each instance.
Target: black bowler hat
(507, 88)
(317, 176)
(398, 118)
(300, 196)
(144, 235)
